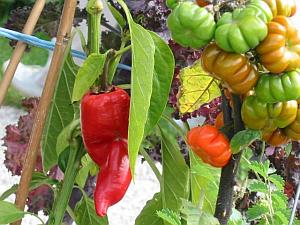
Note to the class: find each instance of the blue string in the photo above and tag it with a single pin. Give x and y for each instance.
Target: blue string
(31, 40)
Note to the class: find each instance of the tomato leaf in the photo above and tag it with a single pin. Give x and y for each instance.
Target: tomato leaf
(197, 87)
(162, 79)
(243, 139)
(85, 213)
(9, 213)
(169, 216)
(195, 216)
(89, 72)
(148, 213)
(143, 50)
(61, 112)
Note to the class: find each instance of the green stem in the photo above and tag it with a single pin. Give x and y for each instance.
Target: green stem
(122, 51)
(94, 9)
(262, 151)
(71, 213)
(64, 194)
(151, 164)
(176, 126)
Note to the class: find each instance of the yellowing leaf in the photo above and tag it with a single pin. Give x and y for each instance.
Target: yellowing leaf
(197, 88)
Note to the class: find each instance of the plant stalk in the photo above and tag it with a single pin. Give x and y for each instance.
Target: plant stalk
(225, 195)
(62, 199)
(94, 9)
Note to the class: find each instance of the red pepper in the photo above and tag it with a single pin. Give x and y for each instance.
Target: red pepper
(104, 118)
(104, 125)
(114, 178)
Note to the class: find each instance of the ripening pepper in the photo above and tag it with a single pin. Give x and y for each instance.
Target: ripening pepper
(104, 125)
(104, 118)
(210, 145)
(243, 29)
(280, 51)
(259, 115)
(114, 178)
(271, 89)
(293, 130)
(219, 122)
(239, 75)
(282, 7)
(191, 25)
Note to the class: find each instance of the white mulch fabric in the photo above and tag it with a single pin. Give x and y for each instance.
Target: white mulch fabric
(124, 212)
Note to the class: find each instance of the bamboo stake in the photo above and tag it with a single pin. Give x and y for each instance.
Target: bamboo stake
(20, 48)
(43, 108)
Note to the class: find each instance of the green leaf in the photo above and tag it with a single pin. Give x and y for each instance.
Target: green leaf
(85, 213)
(117, 15)
(87, 166)
(164, 65)
(148, 214)
(9, 213)
(204, 180)
(194, 216)
(288, 149)
(236, 218)
(243, 169)
(277, 180)
(37, 180)
(258, 186)
(61, 112)
(169, 216)
(259, 168)
(243, 139)
(279, 200)
(197, 87)
(175, 182)
(91, 69)
(257, 211)
(143, 50)
(280, 218)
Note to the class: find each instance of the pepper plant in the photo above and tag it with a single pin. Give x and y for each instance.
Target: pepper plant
(244, 80)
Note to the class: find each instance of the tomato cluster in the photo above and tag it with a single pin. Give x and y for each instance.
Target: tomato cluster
(255, 52)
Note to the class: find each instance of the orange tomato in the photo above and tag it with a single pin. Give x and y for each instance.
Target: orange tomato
(219, 122)
(235, 70)
(275, 138)
(210, 145)
(202, 3)
(280, 51)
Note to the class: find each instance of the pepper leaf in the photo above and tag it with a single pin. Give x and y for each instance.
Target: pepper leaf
(176, 174)
(162, 79)
(91, 69)
(61, 112)
(85, 213)
(148, 213)
(197, 87)
(243, 139)
(143, 50)
(204, 181)
(9, 213)
(119, 18)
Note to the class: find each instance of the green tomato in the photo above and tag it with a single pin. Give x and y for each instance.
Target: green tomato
(275, 88)
(171, 4)
(243, 29)
(191, 25)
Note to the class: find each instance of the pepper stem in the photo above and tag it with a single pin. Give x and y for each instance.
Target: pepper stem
(62, 199)
(94, 9)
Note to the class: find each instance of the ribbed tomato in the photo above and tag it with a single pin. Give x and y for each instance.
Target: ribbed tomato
(280, 51)
(282, 7)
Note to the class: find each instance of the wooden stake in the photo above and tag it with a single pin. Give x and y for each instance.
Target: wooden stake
(20, 48)
(45, 102)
